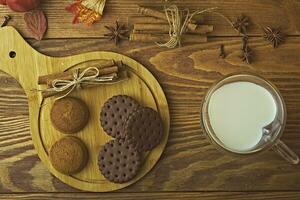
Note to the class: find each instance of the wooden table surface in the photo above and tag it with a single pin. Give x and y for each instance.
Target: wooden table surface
(190, 168)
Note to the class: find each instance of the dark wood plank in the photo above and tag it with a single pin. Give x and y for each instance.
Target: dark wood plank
(189, 162)
(283, 13)
(161, 196)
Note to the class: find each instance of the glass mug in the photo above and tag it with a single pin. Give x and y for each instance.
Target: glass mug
(270, 133)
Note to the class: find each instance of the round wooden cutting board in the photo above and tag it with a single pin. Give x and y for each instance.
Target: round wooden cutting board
(28, 65)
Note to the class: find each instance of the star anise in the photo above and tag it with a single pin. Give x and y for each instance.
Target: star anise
(274, 36)
(241, 24)
(117, 32)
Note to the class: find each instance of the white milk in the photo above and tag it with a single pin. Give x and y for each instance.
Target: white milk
(238, 112)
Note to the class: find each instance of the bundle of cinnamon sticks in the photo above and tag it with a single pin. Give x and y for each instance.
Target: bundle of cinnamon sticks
(153, 26)
(105, 68)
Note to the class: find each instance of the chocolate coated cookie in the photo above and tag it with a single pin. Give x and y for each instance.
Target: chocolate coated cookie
(144, 129)
(115, 112)
(119, 161)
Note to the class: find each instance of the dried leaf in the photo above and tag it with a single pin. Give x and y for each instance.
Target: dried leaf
(36, 23)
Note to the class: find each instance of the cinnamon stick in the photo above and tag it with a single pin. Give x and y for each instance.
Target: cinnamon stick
(69, 75)
(154, 13)
(146, 20)
(47, 94)
(162, 38)
(203, 29)
(154, 20)
(46, 78)
(151, 12)
(164, 28)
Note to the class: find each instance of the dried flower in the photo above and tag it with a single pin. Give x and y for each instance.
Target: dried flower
(241, 24)
(274, 36)
(87, 11)
(117, 32)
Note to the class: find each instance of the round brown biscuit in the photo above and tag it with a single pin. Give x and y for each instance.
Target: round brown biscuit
(115, 112)
(144, 129)
(69, 115)
(119, 161)
(68, 155)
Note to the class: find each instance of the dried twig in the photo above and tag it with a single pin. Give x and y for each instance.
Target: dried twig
(222, 51)
(7, 18)
(247, 52)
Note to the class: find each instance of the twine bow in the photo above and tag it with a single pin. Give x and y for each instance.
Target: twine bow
(78, 80)
(178, 21)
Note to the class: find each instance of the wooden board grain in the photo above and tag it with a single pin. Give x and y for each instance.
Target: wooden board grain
(28, 65)
(160, 196)
(277, 13)
(189, 162)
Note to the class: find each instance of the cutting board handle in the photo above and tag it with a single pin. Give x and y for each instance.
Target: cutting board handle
(18, 58)
(25, 64)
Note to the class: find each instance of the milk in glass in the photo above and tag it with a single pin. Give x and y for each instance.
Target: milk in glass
(238, 112)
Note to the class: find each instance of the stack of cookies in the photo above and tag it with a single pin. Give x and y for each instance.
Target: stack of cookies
(136, 130)
(69, 155)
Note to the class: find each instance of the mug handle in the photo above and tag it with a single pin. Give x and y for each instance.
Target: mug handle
(285, 152)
